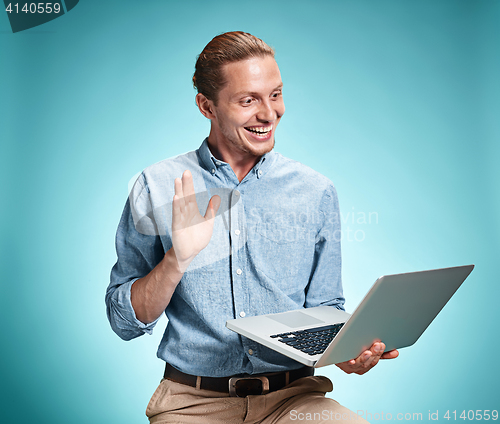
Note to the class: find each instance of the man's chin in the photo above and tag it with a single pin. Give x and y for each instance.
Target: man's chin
(261, 150)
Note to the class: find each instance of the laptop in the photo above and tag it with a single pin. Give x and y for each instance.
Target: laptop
(396, 310)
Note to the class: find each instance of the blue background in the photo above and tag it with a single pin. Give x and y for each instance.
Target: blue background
(397, 102)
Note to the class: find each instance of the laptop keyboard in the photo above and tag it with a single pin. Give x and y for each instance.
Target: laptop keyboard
(312, 341)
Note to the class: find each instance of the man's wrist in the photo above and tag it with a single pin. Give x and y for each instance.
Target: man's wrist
(173, 263)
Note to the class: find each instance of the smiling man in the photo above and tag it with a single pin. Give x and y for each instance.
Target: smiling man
(266, 241)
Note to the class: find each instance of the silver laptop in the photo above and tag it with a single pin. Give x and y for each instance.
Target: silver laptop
(397, 310)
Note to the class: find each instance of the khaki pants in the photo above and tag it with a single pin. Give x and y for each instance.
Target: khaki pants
(302, 401)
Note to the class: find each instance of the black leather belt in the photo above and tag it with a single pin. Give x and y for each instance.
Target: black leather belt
(239, 385)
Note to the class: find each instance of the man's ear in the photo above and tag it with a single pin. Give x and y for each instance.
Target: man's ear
(205, 105)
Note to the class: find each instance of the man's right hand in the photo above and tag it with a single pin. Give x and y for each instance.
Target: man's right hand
(191, 232)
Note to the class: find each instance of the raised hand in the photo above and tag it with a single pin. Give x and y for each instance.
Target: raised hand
(191, 232)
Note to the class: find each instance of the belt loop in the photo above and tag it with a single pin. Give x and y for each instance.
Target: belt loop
(287, 378)
(198, 383)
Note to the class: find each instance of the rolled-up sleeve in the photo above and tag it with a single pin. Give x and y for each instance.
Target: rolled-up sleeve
(137, 255)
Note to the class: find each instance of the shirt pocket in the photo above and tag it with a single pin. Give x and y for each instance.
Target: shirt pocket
(280, 251)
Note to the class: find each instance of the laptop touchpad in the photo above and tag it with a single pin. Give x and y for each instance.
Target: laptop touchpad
(295, 319)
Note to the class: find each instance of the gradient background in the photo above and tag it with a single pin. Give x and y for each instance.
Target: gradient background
(397, 102)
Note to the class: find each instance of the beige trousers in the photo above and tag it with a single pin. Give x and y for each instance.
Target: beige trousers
(302, 401)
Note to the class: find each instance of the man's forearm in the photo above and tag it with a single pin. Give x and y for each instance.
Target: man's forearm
(151, 294)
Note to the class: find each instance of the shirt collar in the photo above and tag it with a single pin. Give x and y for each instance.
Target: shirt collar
(211, 164)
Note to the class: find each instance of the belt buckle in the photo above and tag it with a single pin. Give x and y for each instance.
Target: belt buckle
(233, 385)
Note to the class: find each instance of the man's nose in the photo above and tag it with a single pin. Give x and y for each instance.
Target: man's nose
(266, 112)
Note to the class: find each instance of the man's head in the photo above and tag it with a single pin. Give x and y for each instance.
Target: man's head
(240, 91)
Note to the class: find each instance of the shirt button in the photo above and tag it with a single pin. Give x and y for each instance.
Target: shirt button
(213, 171)
(218, 163)
(250, 351)
(242, 314)
(239, 271)
(237, 232)
(260, 173)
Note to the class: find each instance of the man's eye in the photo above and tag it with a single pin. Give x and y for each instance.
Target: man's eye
(247, 101)
(274, 95)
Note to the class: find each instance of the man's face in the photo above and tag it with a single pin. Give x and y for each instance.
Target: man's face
(249, 106)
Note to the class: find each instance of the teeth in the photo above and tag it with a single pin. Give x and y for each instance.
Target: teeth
(260, 130)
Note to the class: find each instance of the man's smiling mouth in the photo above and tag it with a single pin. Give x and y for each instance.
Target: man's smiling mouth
(262, 131)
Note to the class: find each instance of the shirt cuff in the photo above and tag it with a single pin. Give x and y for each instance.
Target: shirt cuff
(126, 318)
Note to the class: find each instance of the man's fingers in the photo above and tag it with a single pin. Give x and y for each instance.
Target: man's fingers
(391, 354)
(179, 193)
(374, 361)
(185, 199)
(213, 207)
(176, 206)
(188, 190)
(187, 184)
(176, 213)
(366, 359)
(377, 351)
(369, 358)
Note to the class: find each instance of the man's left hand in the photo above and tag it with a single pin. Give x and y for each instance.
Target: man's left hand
(368, 359)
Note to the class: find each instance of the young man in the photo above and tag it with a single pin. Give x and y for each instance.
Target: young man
(268, 242)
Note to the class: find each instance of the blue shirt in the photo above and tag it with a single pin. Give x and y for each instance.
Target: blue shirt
(275, 247)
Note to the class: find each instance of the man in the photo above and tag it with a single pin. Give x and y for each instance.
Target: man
(269, 241)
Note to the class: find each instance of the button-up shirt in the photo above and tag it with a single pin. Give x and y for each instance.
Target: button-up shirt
(275, 247)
